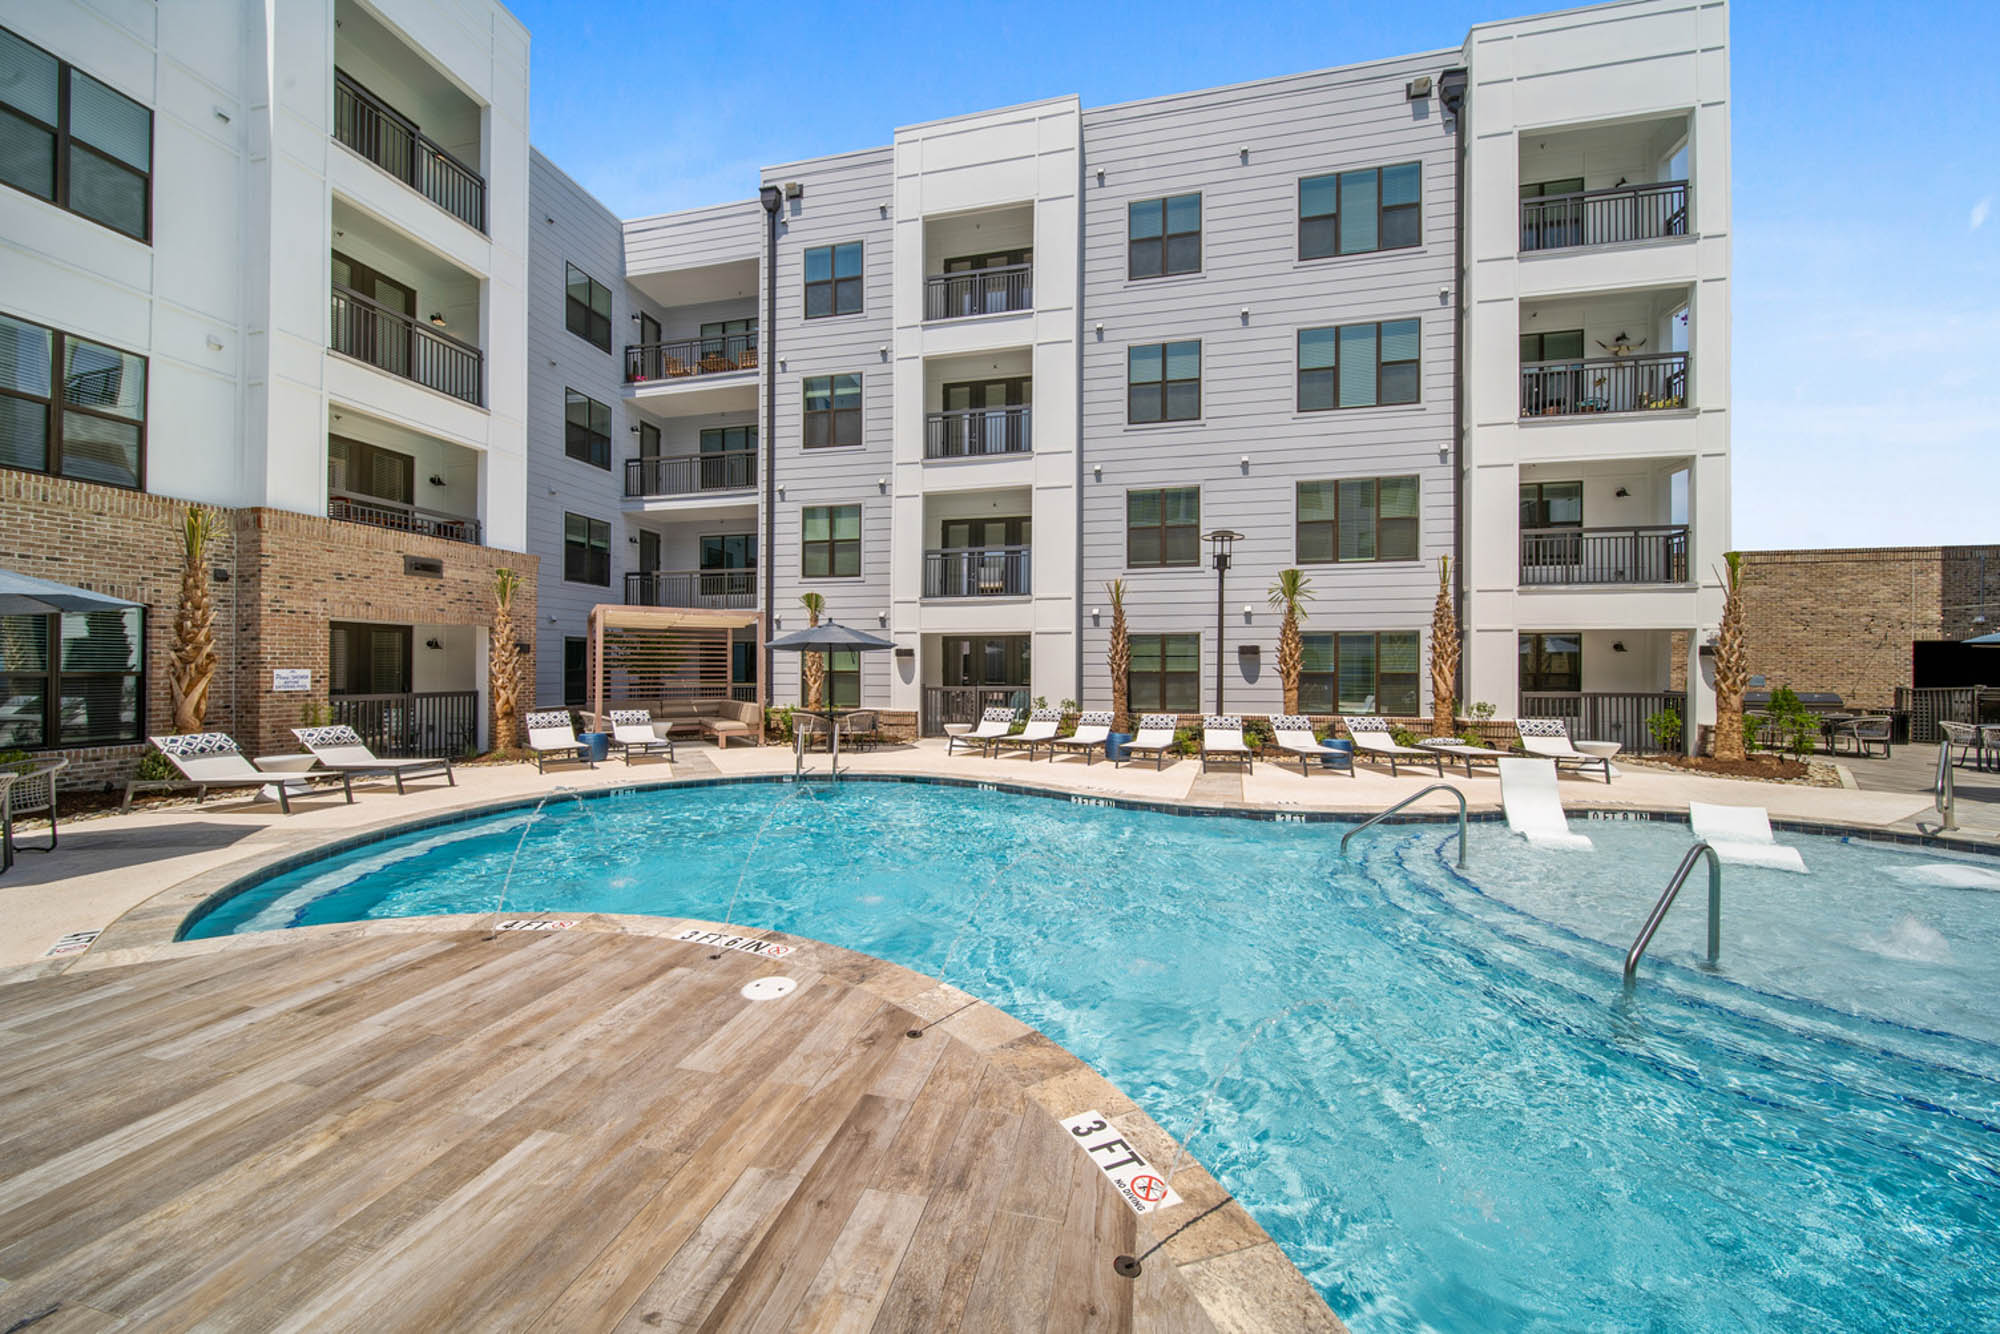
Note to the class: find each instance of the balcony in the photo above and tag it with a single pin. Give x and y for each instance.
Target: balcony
(1643, 554)
(734, 590)
(994, 291)
(402, 345)
(976, 433)
(392, 141)
(1605, 217)
(380, 513)
(1637, 383)
(687, 357)
(976, 572)
(690, 474)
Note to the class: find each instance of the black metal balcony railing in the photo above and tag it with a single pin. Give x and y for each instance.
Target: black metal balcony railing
(391, 140)
(691, 474)
(727, 589)
(939, 705)
(407, 347)
(1605, 217)
(1648, 554)
(976, 572)
(1607, 715)
(690, 356)
(1638, 383)
(973, 432)
(428, 723)
(403, 518)
(995, 291)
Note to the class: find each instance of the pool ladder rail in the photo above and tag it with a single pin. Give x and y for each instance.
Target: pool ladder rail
(1418, 795)
(1947, 790)
(1659, 914)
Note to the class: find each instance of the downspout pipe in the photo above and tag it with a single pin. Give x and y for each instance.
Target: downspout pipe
(1451, 92)
(773, 200)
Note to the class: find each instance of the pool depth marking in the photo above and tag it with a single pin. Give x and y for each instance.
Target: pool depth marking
(1121, 1162)
(769, 949)
(536, 924)
(76, 942)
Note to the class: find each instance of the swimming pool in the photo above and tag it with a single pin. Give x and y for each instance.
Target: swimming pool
(1472, 1127)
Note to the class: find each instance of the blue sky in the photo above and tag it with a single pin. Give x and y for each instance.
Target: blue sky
(1866, 163)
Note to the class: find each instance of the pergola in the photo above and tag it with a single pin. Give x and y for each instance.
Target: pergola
(643, 655)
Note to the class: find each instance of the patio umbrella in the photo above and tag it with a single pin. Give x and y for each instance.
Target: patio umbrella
(1984, 639)
(23, 595)
(825, 638)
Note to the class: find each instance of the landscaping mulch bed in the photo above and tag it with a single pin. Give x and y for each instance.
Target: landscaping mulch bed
(1764, 768)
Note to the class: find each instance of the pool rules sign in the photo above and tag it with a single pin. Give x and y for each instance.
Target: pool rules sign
(1144, 1188)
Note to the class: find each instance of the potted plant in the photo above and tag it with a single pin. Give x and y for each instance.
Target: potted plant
(1120, 661)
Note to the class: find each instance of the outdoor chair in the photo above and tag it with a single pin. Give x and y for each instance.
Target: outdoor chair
(1222, 738)
(213, 759)
(1865, 734)
(1534, 808)
(551, 738)
(1040, 731)
(1549, 738)
(1466, 755)
(1742, 834)
(992, 724)
(1155, 737)
(860, 729)
(632, 730)
(7, 780)
(33, 792)
(1374, 739)
(1093, 731)
(1294, 735)
(341, 749)
(1963, 735)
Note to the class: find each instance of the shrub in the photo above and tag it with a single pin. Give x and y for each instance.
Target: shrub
(1752, 725)
(1068, 705)
(1480, 711)
(154, 767)
(1469, 738)
(1665, 727)
(1257, 733)
(1403, 736)
(1797, 725)
(315, 713)
(1187, 740)
(778, 724)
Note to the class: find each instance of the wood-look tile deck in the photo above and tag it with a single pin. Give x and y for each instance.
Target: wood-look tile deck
(422, 1129)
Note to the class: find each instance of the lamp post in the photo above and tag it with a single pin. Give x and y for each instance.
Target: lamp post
(1219, 543)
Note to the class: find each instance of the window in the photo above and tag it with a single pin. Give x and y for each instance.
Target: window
(576, 670)
(1552, 504)
(71, 140)
(832, 411)
(830, 541)
(1552, 664)
(1165, 675)
(843, 679)
(1363, 674)
(586, 429)
(356, 467)
(728, 338)
(1352, 212)
(1163, 382)
(833, 280)
(1163, 527)
(729, 551)
(728, 439)
(1358, 518)
(649, 440)
(649, 330)
(72, 680)
(1163, 236)
(587, 307)
(94, 429)
(1554, 345)
(368, 659)
(586, 550)
(994, 660)
(1358, 365)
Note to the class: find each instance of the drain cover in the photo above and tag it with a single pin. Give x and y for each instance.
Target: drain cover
(769, 988)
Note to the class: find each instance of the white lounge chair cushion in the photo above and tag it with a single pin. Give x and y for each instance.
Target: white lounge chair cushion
(1223, 735)
(994, 722)
(1374, 734)
(1742, 834)
(1092, 729)
(1534, 808)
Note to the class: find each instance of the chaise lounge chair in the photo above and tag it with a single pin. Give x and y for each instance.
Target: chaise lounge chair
(1155, 737)
(1093, 732)
(1222, 737)
(212, 759)
(340, 748)
(551, 738)
(1549, 738)
(1464, 754)
(993, 724)
(1294, 734)
(1534, 809)
(1374, 740)
(632, 730)
(1040, 731)
(1742, 834)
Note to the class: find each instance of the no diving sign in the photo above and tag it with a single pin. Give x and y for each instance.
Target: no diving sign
(1143, 1188)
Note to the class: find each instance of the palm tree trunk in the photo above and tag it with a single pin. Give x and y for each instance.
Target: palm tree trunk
(1444, 656)
(192, 670)
(1732, 665)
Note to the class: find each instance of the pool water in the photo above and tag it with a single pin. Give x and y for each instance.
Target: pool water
(1472, 1125)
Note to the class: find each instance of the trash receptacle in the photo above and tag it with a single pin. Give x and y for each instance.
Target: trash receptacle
(597, 743)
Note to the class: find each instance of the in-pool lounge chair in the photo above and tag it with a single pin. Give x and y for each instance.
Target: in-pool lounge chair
(551, 739)
(1742, 834)
(341, 749)
(1222, 738)
(1534, 808)
(993, 724)
(1294, 735)
(1093, 731)
(1155, 737)
(1549, 738)
(1040, 731)
(212, 759)
(632, 730)
(1374, 739)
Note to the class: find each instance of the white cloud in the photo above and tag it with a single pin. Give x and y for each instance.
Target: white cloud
(1979, 213)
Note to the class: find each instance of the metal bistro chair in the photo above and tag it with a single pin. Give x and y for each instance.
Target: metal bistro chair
(33, 792)
(7, 781)
(1965, 736)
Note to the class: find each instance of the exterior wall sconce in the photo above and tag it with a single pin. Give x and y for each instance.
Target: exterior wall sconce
(1617, 646)
(1097, 471)
(436, 480)
(437, 318)
(433, 644)
(1621, 493)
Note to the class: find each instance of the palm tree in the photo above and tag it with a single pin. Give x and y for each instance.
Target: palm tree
(503, 663)
(1444, 657)
(1290, 594)
(813, 665)
(1732, 663)
(1120, 658)
(192, 670)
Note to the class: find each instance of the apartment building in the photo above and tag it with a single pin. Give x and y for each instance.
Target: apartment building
(273, 261)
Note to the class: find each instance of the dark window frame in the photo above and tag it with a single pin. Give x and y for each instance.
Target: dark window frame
(1541, 345)
(598, 336)
(835, 283)
(1162, 528)
(576, 676)
(581, 556)
(360, 470)
(832, 419)
(1151, 691)
(582, 441)
(64, 142)
(832, 546)
(1313, 683)
(1163, 239)
(1163, 386)
(1331, 527)
(51, 677)
(1300, 370)
(1533, 673)
(1540, 502)
(1384, 213)
(336, 683)
(746, 432)
(843, 679)
(56, 409)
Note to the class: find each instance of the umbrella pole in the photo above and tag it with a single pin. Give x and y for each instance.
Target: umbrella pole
(834, 728)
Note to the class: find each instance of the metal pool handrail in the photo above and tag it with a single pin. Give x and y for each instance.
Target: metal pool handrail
(1659, 915)
(1947, 791)
(1380, 816)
